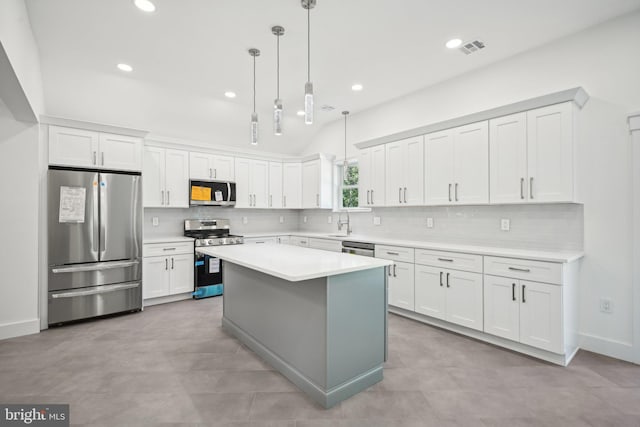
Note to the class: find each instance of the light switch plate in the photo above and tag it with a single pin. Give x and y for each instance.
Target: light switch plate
(429, 222)
(281, 219)
(505, 224)
(155, 221)
(245, 220)
(376, 220)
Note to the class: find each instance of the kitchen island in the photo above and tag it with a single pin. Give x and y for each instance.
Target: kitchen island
(318, 317)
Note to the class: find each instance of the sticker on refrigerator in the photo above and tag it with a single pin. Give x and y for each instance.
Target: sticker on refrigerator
(214, 265)
(218, 195)
(72, 201)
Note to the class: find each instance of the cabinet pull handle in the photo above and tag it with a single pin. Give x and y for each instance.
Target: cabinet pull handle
(524, 270)
(523, 299)
(94, 158)
(215, 173)
(166, 263)
(317, 200)
(513, 291)
(394, 270)
(168, 249)
(172, 263)
(456, 191)
(392, 253)
(522, 188)
(531, 187)
(262, 241)
(162, 196)
(372, 197)
(270, 200)
(405, 194)
(368, 194)
(449, 192)
(249, 199)
(168, 197)
(400, 195)
(210, 173)
(445, 259)
(389, 271)
(441, 278)
(448, 280)
(102, 158)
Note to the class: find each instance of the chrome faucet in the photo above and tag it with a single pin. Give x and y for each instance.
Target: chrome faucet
(342, 223)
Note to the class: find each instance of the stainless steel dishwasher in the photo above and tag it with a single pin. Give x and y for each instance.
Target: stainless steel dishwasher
(358, 248)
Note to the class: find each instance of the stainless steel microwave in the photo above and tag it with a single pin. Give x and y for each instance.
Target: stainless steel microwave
(212, 193)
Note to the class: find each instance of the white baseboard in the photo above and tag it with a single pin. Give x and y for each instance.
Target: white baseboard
(608, 347)
(166, 299)
(18, 329)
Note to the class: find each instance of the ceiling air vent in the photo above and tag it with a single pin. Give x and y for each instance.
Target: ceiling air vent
(470, 47)
(327, 108)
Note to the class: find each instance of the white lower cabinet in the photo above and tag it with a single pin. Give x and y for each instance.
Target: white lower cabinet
(401, 290)
(167, 269)
(299, 241)
(283, 240)
(326, 244)
(260, 240)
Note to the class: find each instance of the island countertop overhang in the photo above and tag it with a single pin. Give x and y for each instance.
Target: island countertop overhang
(293, 263)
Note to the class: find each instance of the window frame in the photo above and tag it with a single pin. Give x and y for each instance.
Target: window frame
(339, 187)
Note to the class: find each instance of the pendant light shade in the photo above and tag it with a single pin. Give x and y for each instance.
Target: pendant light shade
(254, 116)
(277, 104)
(345, 165)
(308, 87)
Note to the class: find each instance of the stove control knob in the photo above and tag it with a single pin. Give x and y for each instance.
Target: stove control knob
(209, 242)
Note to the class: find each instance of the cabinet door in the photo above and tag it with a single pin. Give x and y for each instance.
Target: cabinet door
(364, 177)
(200, 166)
(502, 307)
(395, 166)
(401, 291)
(120, 152)
(73, 147)
(283, 240)
(153, 177)
(540, 316)
(181, 274)
(508, 178)
(550, 153)
(413, 190)
(223, 168)
(311, 184)
(275, 185)
(471, 163)
(430, 291)
(260, 183)
(243, 183)
(177, 179)
(377, 178)
(464, 298)
(292, 185)
(155, 277)
(438, 168)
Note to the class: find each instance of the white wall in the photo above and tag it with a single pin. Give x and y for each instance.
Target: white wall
(19, 198)
(18, 42)
(599, 60)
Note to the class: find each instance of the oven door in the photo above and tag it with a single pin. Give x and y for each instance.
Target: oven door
(208, 270)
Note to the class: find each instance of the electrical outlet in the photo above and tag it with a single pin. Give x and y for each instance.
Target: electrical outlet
(505, 224)
(281, 219)
(155, 221)
(606, 305)
(429, 222)
(329, 219)
(245, 220)
(376, 220)
(304, 219)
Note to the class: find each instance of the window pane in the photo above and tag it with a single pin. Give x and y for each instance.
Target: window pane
(350, 198)
(352, 175)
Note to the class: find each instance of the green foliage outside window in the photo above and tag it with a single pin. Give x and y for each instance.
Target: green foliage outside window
(350, 188)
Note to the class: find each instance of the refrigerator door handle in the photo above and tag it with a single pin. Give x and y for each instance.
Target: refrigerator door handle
(95, 266)
(95, 239)
(96, 290)
(103, 216)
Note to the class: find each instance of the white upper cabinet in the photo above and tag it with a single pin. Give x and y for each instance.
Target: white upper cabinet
(291, 185)
(82, 148)
(211, 167)
(165, 178)
(457, 165)
(317, 179)
(550, 153)
(405, 172)
(252, 183)
(508, 159)
(371, 176)
(275, 185)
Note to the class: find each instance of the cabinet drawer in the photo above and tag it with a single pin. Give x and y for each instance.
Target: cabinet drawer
(160, 249)
(395, 253)
(537, 271)
(259, 240)
(453, 260)
(299, 241)
(325, 244)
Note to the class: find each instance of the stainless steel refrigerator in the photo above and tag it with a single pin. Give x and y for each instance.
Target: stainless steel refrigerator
(95, 244)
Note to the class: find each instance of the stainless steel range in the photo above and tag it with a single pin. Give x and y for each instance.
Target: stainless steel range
(208, 269)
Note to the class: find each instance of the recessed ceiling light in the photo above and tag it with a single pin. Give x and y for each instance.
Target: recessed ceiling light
(356, 87)
(300, 113)
(453, 43)
(230, 94)
(145, 5)
(125, 67)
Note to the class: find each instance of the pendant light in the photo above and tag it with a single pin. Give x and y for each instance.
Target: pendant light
(254, 115)
(277, 104)
(345, 165)
(308, 87)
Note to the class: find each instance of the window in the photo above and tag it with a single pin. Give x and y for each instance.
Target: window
(348, 190)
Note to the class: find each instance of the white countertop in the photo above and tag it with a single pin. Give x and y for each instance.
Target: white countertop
(293, 263)
(166, 239)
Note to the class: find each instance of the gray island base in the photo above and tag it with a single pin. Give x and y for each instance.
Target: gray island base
(327, 334)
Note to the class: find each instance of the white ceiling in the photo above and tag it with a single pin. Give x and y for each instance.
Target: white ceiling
(189, 52)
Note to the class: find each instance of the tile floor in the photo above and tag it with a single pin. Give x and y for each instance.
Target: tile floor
(173, 365)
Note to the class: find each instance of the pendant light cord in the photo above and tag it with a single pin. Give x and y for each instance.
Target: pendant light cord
(254, 84)
(309, 42)
(278, 68)
(345, 137)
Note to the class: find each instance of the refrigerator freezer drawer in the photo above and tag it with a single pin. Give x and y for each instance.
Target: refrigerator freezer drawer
(93, 274)
(65, 306)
